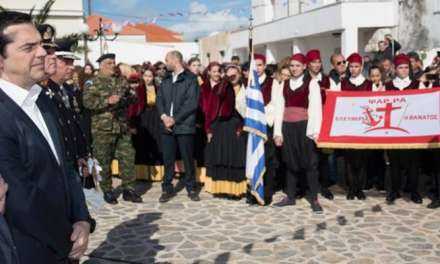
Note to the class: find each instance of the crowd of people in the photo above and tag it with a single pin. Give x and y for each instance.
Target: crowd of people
(199, 123)
(181, 118)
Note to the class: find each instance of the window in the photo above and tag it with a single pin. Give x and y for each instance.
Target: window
(436, 7)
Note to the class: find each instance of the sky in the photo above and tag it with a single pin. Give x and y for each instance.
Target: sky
(193, 18)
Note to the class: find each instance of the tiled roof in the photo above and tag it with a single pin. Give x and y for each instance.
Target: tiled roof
(152, 32)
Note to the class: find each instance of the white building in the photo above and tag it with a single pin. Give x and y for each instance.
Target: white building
(283, 27)
(137, 53)
(65, 15)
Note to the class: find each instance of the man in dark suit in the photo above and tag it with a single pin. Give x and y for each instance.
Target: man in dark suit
(45, 209)
(177, 102)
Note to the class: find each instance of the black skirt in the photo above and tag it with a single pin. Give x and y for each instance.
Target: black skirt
(298, 152)
(225, 155)
(147, 142)
(200, 145)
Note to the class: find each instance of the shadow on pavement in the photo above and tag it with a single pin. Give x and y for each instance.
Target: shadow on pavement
(130, 242)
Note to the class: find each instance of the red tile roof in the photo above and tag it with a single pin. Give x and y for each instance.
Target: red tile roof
(152, 32)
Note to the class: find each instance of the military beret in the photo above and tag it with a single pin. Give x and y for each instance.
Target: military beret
(106, 56)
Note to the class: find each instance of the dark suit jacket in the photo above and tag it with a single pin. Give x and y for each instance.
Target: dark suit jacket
(184, 95)
(42, 202)
(8, 252)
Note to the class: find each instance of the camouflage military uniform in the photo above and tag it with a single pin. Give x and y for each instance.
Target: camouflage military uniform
(111, 138)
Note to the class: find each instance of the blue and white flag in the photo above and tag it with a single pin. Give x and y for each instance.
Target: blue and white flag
(255, 124)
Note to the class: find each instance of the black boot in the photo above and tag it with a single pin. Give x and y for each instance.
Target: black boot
(286, 201)
(110, 197)
(194, 196)
(316, 207)
(351, 194)
(392, 197)
(326, 193)
(361, 195)
(131, 196)
(434, 204)
(416, 198)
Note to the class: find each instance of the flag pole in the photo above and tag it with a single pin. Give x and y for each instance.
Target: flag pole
(251, 28)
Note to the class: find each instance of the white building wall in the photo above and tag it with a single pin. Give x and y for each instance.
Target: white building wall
(329, 25)
(65, 15)
(134, 53)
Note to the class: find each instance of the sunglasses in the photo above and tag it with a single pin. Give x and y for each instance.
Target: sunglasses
(341, 62)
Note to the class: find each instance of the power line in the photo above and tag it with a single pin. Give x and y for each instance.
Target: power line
(164, 19)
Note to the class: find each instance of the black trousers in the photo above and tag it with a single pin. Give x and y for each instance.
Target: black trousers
(376, 168)
(403, 162)
(324, 170)
(433, 158)
(307, 177)
(356, 161)
(272, 163)
(185, 143)
(301, 158)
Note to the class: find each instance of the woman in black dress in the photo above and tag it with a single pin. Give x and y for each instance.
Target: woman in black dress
(148, 152)
(226, 149)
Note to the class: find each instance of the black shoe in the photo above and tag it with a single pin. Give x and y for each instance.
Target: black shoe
(250, 199)
(434, 204)
(194, 196)
(165, 197)
(416, 198)
(351, 195)
(327, 194)
(300, 195)
(131, 196)
(391, 197)
(316, 207)
(110, 197)
(286, 201)
(267, 200)
(361, 195)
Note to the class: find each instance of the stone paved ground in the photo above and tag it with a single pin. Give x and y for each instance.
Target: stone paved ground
(224, 231)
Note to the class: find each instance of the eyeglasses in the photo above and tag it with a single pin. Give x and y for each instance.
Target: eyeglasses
(341, 62)
(161, 68)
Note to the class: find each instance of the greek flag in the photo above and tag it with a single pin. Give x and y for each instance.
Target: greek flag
(255, 124)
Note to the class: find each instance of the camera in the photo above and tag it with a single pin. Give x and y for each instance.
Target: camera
(432, 77)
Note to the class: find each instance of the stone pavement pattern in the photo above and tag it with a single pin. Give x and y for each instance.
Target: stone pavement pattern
(224, 231)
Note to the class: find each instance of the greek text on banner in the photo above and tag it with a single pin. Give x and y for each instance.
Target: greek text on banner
(381, 120)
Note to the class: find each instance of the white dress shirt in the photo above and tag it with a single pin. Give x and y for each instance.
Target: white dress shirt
(405, 82)
(27, 101)
(175, 75)
(269, 109)
(360, 79)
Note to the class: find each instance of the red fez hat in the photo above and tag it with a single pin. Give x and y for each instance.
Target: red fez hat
(261, 57)
(134, 77)
(299, 57)
(355, 58)
(313, 55)
(401, 59)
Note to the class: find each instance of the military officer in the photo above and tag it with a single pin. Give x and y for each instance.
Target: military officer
(74, 142)
(107, 97)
